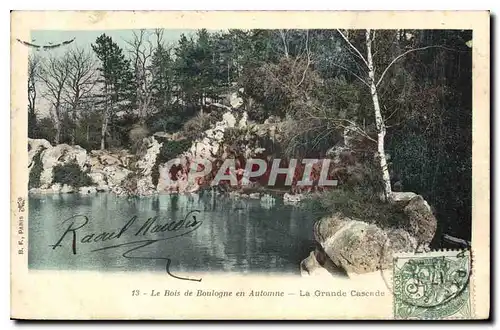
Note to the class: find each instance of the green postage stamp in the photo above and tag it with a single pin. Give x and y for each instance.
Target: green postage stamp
(434, 285)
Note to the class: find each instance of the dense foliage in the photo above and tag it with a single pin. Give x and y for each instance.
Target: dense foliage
(72, 175)
(36, 170)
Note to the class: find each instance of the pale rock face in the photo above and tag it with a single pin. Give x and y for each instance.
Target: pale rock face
(205, 148)
(66, 189)
(109, 169)
(107, 159)
(145, 166)
(229, 118)
(98, 178)
(58, 155)
(235, 101)
(423, 223)
(115, 174)
(145, 163)
(212, 138)
(359, 247)
(181, 184)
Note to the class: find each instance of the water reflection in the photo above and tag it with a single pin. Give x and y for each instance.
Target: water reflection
(236, 235)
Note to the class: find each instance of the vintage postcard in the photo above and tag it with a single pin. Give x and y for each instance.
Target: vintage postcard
(250, 165)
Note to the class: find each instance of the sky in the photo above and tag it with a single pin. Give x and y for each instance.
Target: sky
(84, 39)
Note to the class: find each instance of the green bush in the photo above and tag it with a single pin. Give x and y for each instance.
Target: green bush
(36, 170)
(357, 204)
(72, 175)
(195, 126)
(170, 150)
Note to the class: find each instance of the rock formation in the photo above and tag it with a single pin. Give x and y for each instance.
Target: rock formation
(359, 247)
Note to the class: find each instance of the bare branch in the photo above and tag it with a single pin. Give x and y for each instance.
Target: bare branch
(54, 73)
(33, 71)
(355, 75)
(354, 48)
(405, 53)
(142, 49)
(159, 37)
(82, 77)
(308, 59)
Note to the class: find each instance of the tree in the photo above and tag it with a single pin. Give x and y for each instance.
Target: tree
(141, 49)
(199, 69)
(80, 83)
(54, 74)
(162, 74)
(33, 77)
(116, 79)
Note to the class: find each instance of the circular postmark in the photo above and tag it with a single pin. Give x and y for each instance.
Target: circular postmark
(431, 283)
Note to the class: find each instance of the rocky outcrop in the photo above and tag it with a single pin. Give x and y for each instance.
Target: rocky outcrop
(109, 169)
(208, 148)
(52, 156)
(144, 167)
(117, 171)
(360, 247)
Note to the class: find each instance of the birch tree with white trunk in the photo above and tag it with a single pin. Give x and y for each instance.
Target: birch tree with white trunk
(370, 80)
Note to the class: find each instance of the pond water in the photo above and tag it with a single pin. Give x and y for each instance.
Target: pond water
(232, 235)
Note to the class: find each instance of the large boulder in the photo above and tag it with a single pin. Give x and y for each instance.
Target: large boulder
(422, 222)
(360, 247)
